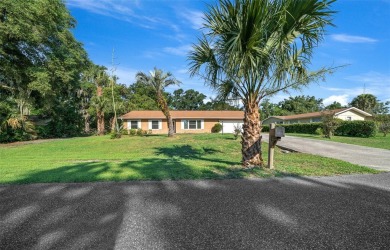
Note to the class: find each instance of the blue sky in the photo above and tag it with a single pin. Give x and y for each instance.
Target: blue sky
(159, 33)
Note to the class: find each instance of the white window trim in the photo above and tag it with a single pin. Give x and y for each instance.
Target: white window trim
(201, 124)
(129, 124)
(159, 124)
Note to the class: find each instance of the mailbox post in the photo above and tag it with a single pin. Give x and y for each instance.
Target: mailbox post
(275, 135)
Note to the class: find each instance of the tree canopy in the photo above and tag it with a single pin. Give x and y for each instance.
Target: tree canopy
(370, 104)
(40, 61)
(187, 100)
(256, 48)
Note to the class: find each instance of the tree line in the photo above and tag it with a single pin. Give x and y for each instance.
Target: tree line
(306, 104)
(252, 50)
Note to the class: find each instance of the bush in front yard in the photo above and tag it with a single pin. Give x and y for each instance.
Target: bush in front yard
(356, 129)
(265, 128)
(383, 123)
(216, 128)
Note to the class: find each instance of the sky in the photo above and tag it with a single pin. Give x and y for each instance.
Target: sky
(143, 34)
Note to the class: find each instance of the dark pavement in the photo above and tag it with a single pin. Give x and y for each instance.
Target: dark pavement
(365, 156)
(344, 212)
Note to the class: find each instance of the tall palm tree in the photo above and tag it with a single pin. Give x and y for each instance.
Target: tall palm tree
(159, 81)
(365, 102)
(256, 48)
(98, 76)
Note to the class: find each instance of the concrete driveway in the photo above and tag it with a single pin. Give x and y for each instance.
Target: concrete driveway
(344, 212)
(365, 156)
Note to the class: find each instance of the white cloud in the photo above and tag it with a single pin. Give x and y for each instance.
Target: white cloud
(179, 51)
(104, 7)
(124, 10)
(194, 17)
(371, 82)
(372, 78)
(126, 75)
(342, 99)
(278, 97)
(352, 39)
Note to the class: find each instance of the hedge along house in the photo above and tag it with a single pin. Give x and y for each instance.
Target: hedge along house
(346, 114)
(183, 121)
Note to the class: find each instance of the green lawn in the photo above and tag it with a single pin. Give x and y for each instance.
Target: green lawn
(379, 141)
(152, 157)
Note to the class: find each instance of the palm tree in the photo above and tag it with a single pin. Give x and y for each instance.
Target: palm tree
(159, 81)
(97, 75)
(256, 48)
(365, 102)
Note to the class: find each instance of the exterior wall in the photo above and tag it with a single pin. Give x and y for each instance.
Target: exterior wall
(354, 116)
(272, 120)
(145, 126)
(207, 125)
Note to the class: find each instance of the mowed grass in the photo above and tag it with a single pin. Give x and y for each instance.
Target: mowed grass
(155, 157)
(379, 141)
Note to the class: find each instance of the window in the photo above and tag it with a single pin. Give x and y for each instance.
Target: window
(316, 119)
(349, 118)
(155, 125)
(134, 124)
(192, 124)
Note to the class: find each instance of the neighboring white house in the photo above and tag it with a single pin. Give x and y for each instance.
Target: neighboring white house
(346, 114)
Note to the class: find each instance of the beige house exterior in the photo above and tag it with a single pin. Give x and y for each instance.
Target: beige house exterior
(183, 121)
(346, 114)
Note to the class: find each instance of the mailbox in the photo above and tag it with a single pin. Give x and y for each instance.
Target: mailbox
(279, 132)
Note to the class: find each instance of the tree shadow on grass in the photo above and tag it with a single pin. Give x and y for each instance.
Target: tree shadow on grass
(186, 151)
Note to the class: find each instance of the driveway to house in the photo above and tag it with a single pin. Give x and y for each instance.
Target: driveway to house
(343, 212)
(366, 156)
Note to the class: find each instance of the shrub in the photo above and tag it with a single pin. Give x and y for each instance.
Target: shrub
(133, 132)
(265, 128)
(115, 134)
(140, 132)
(125, 132)
(330, 124)
(237, 131)
(319, 131)
(384, 128)
(216, 128)
(302, 128)
(150, 132)
(356, 128)
(383, 123)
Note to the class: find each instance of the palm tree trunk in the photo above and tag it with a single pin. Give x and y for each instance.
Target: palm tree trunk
(171, 131)
(100, 122)
(100, 113)
(165, 109)
(251, 139)
(86, 122)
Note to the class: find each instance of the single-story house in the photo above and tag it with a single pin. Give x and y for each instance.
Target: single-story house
(183, 121)
(346, 114)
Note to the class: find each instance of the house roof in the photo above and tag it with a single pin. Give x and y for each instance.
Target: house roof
(319, 114)
(180, 114)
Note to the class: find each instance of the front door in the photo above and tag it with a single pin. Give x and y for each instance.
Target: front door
(174, 126)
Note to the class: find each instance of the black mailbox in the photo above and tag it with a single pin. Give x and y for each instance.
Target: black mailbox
(279, 132)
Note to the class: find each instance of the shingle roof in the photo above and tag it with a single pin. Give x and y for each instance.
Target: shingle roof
(319, 114)
(308, 115)
(179, 114)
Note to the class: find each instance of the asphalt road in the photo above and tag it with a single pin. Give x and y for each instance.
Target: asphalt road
(344, 212)
(365, 156)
